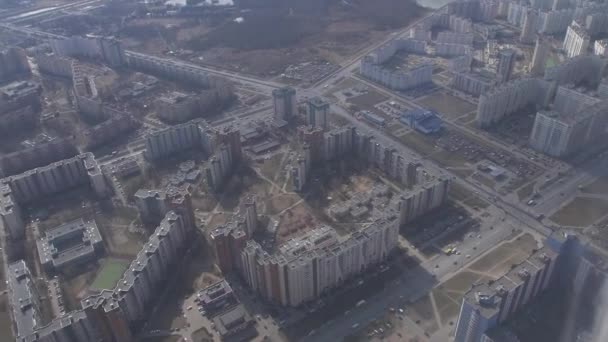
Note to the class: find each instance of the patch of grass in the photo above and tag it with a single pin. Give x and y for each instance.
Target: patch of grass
(367, 100)
(476, 202)
(461, 282)
(109, 274)
(581, 212)
(484, 180)
(258, 32)
(598, 187)
(419, 143)
(448, 105)
(270, 167)
(448, 159)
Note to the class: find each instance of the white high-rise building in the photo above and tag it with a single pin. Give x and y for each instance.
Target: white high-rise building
(600, 47)
(576, 41)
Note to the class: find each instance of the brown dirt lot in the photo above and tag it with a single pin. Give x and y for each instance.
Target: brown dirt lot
(367, 100)
(451, 107)
(421, 312)
(295, 221)
(265, 45)
(493, 265)
(499, 260)
(280, 202)
(598, 187)
(581, 212)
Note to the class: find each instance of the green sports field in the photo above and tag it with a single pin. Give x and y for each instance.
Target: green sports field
(109, 274)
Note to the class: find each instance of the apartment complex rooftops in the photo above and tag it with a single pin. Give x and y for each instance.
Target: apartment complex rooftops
(23, 300)
(68, 243)
(314, 239)
(579, 29)
(317, 102)
(56, 325)
(174, 97)
(19, 89)
(486, 296)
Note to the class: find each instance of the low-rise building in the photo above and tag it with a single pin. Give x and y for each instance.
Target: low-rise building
(69, 245)
(216, 297)
(235, 322)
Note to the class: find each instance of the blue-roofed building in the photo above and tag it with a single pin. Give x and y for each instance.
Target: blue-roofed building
(423, 120)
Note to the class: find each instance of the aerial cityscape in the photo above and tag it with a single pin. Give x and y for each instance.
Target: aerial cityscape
(304, 170)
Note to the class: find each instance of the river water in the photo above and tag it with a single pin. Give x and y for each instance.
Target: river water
(432, 4)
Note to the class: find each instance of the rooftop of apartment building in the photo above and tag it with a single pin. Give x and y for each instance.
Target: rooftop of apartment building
(285, 91)
(579, 29)
(55, 325)
(317, 102)
(69, 241)
(19, 89)
(577, 116)
(174, 97)
(22, 300)
(486, 296)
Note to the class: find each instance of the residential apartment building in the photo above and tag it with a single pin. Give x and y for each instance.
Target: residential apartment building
(455, 38)
(561, 134)
(506, 64)
(422, 199)
(600, 47)
(40, 182)
(542, 49)
(23, 299)
(576, 41)
(164, 143)
(136, 291)
(472, 83)
(529, 27)
(508, 98)
(317, 113)
(450, 50)
(589, 68)
(285, 103)
(306, 267)
(487, 305)
(13, 62)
